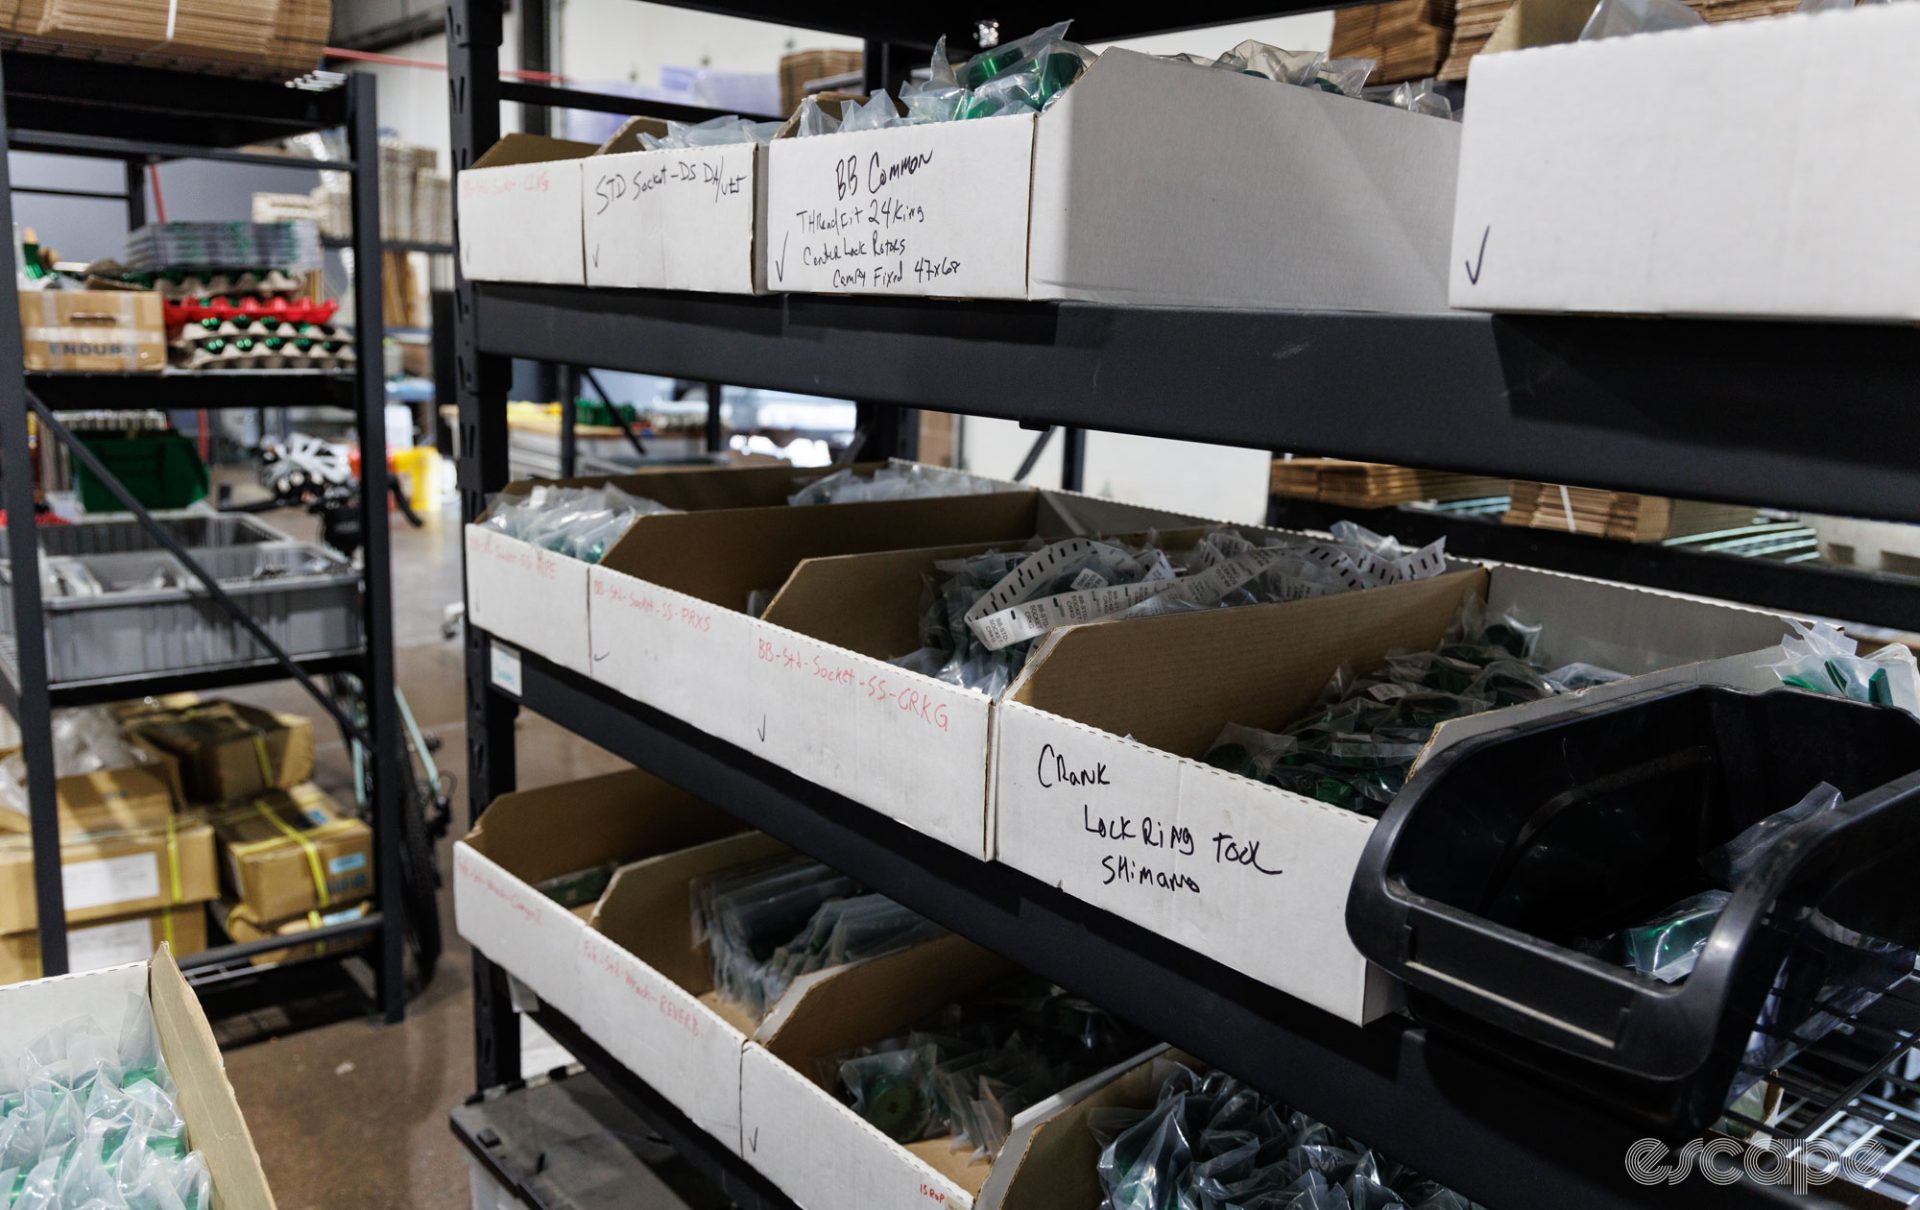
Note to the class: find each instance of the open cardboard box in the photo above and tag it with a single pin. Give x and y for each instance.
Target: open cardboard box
(204, 1098)
(1691, 200)
(519, 212)
(817, 1149)
(802, 686)
(1148, 181)
(648, 986)
(1101, 787)
(113, 873)
(536, 598)
(534, 835)
(683, 219)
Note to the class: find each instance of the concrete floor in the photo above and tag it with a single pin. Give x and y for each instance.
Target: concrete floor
(348, 1112)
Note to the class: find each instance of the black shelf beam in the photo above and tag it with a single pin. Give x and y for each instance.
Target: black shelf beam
(1694, 408)
(919, 25)
(153, 106)
(736, 1179)
(1491, 1132)
(215, 390)
(1845, 594)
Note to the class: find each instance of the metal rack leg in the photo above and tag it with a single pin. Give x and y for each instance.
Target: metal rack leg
(33, 708)
(716, 438)
(1073, 459)
(473, 77)
(383, 727)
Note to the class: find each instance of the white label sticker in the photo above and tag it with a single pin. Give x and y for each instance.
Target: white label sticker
(92, 884)
(506, 669)
(103, 945)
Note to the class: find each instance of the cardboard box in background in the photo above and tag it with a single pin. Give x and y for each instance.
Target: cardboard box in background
(1714, 207)
(205, 1097)
(535, 835)
(110, 942)
(519, 208)
(536, 598)
(647, 985)
(93, 330)
(1101, 787)
(1310, 200)
(685, 219)
(129, 799)
(229, 751)
(291, 851)
(813, 1145)
(113, 874)
(669, 629)
(242, 926)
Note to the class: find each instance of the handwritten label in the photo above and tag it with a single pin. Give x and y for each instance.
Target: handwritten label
(510, 892)
(668, 613)
(1140, 849)
(891, 692)
(513, 554)
(674, 219)
(619, 965)
(920, 210)
(497, 182)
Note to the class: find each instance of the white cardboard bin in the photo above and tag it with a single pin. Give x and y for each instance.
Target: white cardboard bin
(688, 219)
(1683, 197)
(817, 1149)
(536, 599)
(531, 836)
(519, 208)
(669, 629)
(1100, 787)
(204, 1097)
(1149, 181)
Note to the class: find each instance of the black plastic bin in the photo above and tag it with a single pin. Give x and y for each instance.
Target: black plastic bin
(1484, 887)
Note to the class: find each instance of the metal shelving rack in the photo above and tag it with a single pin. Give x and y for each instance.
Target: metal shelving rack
(1690, 408)
(139, 116)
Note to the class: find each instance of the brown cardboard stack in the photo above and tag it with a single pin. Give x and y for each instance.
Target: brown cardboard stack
(1406, 39)
(1374, 484)
(1497, 25)
(272, 38)
(93, 330)
(1622, 516)
(242, 926)
(110, 942)
(229, 752)
(290, 852)
(802, 67)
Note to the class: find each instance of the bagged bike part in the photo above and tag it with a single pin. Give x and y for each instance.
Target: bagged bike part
(1734, 862)
(1669, 945)
(1619, 18)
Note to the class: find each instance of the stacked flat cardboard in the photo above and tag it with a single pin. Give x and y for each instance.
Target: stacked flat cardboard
(1500, 25)
(1622, 516)
(271, 38)
(1406, 39)
(1375, 484)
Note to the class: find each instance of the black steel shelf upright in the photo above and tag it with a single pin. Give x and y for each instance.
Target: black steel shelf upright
(139, 116)
(1696, 409)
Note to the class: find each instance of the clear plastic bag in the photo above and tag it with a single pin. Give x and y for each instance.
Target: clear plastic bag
(1618, 18)
(578, 522)
(1669, 945)
(891, 483)
(813, 119)
(1822, 659)
(714, 132)
(1421, 96)
(1734, 862)
(1344, 76)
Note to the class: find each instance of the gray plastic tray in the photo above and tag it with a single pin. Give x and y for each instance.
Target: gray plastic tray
(153, 618)
(195, 529)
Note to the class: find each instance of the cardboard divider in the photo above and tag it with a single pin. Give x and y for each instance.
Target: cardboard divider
(1100, 784)
(1310, 199)
(535, 835)
(1051, 1163)
(797, 1130)
(647, 985)
(536, 599)
(807, 684)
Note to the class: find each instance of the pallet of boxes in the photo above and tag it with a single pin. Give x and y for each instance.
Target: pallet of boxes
(136, 869)
(291, 859)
